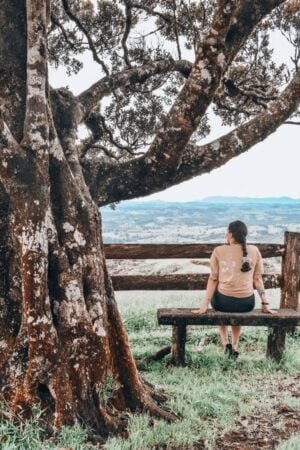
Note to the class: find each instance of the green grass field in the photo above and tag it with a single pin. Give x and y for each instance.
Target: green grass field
(211, 393)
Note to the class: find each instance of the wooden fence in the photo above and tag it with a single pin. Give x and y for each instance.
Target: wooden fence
(288, 280)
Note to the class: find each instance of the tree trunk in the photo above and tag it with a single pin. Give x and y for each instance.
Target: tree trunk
(62, 335)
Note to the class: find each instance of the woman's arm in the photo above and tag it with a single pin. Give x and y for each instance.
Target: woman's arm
(210, 289)
(259, 286)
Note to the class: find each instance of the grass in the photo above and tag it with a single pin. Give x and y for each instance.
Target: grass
(31, 435)
(292, 444)
(212, 391)
(210, 394)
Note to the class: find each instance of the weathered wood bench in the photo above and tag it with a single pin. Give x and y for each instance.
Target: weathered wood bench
(180, 318)
(288, 281)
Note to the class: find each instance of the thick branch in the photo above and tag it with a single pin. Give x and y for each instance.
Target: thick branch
(36, 128)
(164, 154)
(245, 19)
(199, 160)
(215, 53)
(247, 16)
(128, 22)
(130, 180)
(93, 95)
(217, 49)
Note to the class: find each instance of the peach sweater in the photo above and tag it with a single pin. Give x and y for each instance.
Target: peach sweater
(226, 262)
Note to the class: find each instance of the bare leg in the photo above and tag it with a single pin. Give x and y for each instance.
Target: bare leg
(223, 334)
(236, 332)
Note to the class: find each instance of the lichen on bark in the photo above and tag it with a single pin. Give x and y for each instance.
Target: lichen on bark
(61, 333)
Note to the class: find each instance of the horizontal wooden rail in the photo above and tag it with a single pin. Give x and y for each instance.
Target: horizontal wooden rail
(184, 316)
(167, 251)
(181, 282)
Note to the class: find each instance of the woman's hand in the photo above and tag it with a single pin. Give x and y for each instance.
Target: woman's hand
(201, 310)
(267, 310)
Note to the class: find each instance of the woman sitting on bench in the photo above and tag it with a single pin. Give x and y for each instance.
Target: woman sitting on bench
(234, 270)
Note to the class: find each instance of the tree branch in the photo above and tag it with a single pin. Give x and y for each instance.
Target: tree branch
(57, 23)
(164, 154)
(291, 122)
(245, 19)
(164, 157)
(36, 129)
(117, 182)
(128, 9)
(82, 28)
(90, 98)
(258, 96)
(199, 160)
(247, 16)
(152, 12)
(176, 29)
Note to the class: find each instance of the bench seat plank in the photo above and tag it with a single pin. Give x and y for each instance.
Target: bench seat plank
(184, 316)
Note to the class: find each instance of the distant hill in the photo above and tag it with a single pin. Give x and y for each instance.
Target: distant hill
(209, 200)
(272, 200)
(158, 221)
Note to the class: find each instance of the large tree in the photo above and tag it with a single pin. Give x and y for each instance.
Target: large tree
(62, 336)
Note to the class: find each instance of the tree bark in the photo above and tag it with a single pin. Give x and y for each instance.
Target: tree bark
(178, 345)
(13, 63)
(61, 331)
(181, 282)
(166, 251)
(290, 292)
(121, 181)
(276, 343)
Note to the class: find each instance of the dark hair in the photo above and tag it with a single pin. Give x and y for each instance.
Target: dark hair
(239, 232)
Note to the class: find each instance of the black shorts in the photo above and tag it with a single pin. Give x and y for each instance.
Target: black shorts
(225, 303)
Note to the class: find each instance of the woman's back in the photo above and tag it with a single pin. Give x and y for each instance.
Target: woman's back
(226, 262)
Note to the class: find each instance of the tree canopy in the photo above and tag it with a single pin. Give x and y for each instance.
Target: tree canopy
(138, 47)
(163, 68)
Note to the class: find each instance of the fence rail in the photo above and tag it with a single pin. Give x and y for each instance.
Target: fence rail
(180, 282)
(288, 280)
(168, 251)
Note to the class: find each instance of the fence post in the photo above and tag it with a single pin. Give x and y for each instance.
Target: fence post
(291, 272)
(276, 342)
(178, 345)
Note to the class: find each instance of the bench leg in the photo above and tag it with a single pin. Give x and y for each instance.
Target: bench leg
(178, 345)
(276, 342)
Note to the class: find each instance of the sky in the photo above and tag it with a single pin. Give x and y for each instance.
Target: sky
(269, 169)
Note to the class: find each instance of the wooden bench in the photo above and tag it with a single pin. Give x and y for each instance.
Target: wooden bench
(180, 318)
(288, 281)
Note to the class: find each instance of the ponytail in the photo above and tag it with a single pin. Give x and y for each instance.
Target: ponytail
(239, 232)
(246, 266)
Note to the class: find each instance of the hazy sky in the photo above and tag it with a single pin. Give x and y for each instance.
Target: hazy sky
(271, 168)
